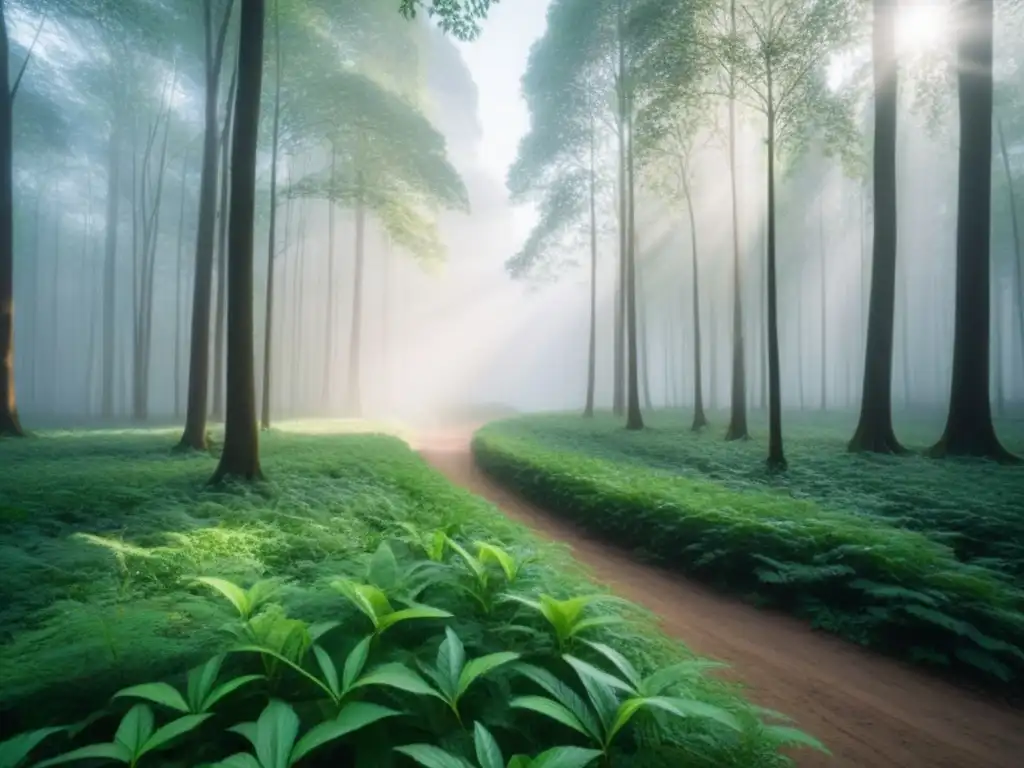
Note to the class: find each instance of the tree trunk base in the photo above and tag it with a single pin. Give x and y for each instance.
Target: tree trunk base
(699, 421)
(777, 463)
(875, 438)
(588, 412)
(972, 443)
(634, 422)
(10, 425)
(248, 471)
(737, 430)
(191, 442)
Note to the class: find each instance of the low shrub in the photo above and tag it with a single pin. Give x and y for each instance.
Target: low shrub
(373, 606)
(852, 574)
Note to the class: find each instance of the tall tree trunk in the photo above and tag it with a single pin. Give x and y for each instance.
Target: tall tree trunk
(55, 330)
(219, 319)
(588, 409)
(110, 267)
(634, 418)
(776, 456)
(194, 435)
(969, 430)
(645, 365)
(619, 394)
(299, 392)
(9, 421)
(177, 288)
(355, 406)
(272, 236)
(240, 457)
(762, 322)
(1018, 261)
(874, 429)
(800, 378)
(737, 429)
(997, 349)
(329, 324)
(824, 313)
(905, 358)
(699, 418)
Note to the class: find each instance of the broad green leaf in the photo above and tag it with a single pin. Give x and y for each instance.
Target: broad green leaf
(625, 713)
(395, 675)
(276, 729)
(321, 628)
(585, 669)
(234, 593)
(200, 683)
(594, 621)
(432, 757)
(366, 597)
(481, 666)
(488, 754)
(491, 553)
(227, 688)
(173, 730)
(601, 689)
(565, 695)
(788, 736)
(693, 708)
(355, 662)
(329, 670)
(383, 568)
(158, 693)
(520, 761)
(248, 731)
(565, 757)
(117, 752)
(418, 612)
(621, 662)
(657, 682)
(17, 748)
(473, 563)
(352, 717)
(135, 729)
(451, 657)
(240, 760)
(549, 708)
(284, 660)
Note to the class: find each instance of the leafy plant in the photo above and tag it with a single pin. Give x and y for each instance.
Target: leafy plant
(453, 674)
(566, 617)
(374, 604)
(484, 588)
(245, 601)
(433, 544)
(15, 750)
(136, 737)
(275, 735)
(202, 691)
(488, 755)
(387, 573)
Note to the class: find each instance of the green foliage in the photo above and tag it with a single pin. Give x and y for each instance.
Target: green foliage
(702, 506)
(566, 616)
(293, 671)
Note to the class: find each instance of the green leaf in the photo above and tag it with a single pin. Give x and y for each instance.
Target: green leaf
(201, 681)
(158, 693)
(686, 671)
(227, 688)
(240, 760)
(565, 695)
(586, 670)
(566, 757)
(247, 731)
(488, 754)
(330, 671)
(276, 729)
(481, 666)
(355, 662)
(520, 761)
(321, 628)
(621, 662)
(625, 713)
(366, 597)
(383, 569)
(116, 751)
(473, 563)
(237, 596)
(551, 709)
(693, 708)
(395, 675)
(284, 660)
(173, 730)
(135, 729)
(432, 757)
(451, 657)
(418, 612)
(787, 736)
(14, 750)
(594, 621)
(491, 553)
(352, 717)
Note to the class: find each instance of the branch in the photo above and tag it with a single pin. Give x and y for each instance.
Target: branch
(28, 56)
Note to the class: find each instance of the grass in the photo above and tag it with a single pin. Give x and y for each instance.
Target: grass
(918, 557)
(103, 533)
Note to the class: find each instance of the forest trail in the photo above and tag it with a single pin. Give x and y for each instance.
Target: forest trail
(870, 711)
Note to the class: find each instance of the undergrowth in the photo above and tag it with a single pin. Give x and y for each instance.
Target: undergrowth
(372, 586)
(707, 508)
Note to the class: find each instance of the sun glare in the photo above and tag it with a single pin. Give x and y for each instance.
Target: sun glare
(921, 26)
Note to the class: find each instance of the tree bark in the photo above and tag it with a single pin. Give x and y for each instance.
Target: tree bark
(329, 322)
(1018, 261)
(824, 304)
(969, 430)
(10, 424)
(272, 235)
(219, 319)
(700, 420)
(194, 435)
(645, 369)
(776, 456)
(354, 396)
(634, 418)
(619, 394)
(110, 267)
(240, 457)
(588, 408)
(177, 288)
(737, 429)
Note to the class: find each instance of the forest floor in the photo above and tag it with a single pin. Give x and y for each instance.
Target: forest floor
(869, 710)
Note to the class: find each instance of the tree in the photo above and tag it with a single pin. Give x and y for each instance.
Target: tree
(969, 430)
(240, 457)
(781, 62)
(874, 429)
(194, 435)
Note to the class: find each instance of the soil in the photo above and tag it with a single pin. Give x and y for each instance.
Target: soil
(871, 712)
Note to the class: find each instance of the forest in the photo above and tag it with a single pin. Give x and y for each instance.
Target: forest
(520, 384)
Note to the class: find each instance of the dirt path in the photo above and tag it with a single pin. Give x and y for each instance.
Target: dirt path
(870, 711)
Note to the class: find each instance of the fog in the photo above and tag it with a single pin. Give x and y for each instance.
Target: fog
(443, 334)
